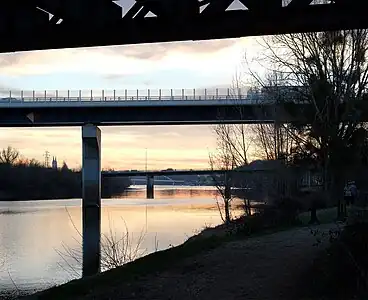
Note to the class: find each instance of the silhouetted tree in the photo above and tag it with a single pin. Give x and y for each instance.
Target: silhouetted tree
(64, 167)
(23, 179)
(9, 155)
(232, 147)
(272, 141)
(327, 70)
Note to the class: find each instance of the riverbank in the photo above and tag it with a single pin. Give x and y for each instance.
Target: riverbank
(263, 267)
(205, 267)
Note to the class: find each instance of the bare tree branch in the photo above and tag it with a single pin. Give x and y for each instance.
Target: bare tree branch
(9, 155)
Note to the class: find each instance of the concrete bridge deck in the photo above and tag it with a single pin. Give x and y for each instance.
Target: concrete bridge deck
(160, 107)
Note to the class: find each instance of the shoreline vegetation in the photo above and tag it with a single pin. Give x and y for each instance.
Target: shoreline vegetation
(209, 239)
(28, 179)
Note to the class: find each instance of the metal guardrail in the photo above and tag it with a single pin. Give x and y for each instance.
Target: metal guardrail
(163, 171)
(118, 98)
(126, 95)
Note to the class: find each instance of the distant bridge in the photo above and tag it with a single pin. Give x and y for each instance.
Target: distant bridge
(160, 180)
(160, 173)
(150, 175)
(175, 172)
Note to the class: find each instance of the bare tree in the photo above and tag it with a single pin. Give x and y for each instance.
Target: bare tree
(272, 141)
(9, 155)
(329, 72)
(65, 166)
(117, 249)
(233, 144)
(34, 163)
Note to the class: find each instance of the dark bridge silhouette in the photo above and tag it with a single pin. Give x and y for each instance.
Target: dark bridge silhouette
(150, 175)
(91, 23)
(163, 172)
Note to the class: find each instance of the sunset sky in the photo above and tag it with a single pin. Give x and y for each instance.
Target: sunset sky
(207, 64)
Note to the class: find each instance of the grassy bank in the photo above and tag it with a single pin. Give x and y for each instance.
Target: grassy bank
(154, 262)
(208, 239)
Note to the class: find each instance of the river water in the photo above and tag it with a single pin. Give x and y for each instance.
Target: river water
(35, 236)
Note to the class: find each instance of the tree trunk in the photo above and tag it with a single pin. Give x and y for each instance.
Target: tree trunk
(227, 211)
(227, 198)
(337, 193)
(314, 219)
(327, 172)
(336, 181)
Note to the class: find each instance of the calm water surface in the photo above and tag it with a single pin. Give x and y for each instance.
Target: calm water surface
(32, 232)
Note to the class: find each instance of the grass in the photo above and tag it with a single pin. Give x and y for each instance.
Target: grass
(159, 261)
(154, 262)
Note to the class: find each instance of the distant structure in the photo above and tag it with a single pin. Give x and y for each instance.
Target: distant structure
(54, 163)
(47, 157)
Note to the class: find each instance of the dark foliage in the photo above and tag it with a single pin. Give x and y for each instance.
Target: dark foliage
(33, 181)
(341, 271)
(282, 214)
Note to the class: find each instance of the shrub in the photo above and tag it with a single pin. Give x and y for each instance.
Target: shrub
(283, 213)
(341, 272)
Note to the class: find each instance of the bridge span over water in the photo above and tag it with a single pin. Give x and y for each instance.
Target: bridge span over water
(151, 174)
(162, 172)
(150, 107)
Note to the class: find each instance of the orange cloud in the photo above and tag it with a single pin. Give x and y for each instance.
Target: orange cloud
(122, 147)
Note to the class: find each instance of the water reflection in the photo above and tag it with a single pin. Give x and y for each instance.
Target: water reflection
(167, 192)
(30, 231)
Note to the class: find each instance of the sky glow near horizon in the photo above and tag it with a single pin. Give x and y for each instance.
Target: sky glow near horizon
(207, 64)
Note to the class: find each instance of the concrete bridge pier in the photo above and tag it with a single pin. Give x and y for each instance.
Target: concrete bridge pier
(91, 202)
(150, 187)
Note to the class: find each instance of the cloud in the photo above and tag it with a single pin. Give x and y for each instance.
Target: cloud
(159, 51)
(129, 59)
(114, 76)
(5, 91)
(10, 59)
(122, 147)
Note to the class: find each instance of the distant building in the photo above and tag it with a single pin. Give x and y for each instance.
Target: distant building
(54, 164)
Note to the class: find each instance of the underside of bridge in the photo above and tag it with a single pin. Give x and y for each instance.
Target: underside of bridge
(49, 24)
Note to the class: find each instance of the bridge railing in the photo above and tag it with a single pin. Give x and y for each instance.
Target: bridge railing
(152, 171)
(127, 95)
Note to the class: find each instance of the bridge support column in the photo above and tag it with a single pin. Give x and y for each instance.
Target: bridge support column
(91, 202)
(150, 187)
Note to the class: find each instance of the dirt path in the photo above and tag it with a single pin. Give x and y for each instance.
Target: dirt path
(265, 267)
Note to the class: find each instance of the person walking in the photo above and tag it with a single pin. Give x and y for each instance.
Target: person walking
(350, 193)
(354, 192)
